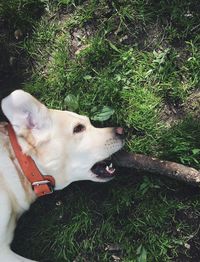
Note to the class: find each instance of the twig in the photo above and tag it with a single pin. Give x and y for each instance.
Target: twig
(157, 166)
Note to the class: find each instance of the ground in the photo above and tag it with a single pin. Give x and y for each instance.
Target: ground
(134, 64)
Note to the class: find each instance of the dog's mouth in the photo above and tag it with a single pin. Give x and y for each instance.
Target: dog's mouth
(104, 169)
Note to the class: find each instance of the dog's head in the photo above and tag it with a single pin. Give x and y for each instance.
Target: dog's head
(63, 144)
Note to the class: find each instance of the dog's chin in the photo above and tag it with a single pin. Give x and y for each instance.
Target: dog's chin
(103, 171)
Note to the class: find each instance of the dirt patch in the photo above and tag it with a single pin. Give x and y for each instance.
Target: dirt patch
(190, 250)
(171, 114)
(154, 37)
(14, 64)
(79, 37)
(192, 104)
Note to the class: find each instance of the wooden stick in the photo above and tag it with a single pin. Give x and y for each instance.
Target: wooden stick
(157, 166)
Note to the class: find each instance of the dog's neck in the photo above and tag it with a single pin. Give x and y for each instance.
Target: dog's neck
(12, 177)
(42, 185)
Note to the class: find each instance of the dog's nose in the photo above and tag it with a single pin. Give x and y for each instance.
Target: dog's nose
(119, 131)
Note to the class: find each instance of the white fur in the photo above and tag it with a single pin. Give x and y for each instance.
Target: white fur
(47, 136)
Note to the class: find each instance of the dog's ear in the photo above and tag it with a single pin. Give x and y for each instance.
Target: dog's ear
(24, 111)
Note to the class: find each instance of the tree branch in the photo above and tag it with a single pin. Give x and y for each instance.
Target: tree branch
(157, 166)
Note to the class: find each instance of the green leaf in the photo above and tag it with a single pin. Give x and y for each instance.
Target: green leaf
(195, 151)
(72, 102)
(103, 114)
(87, 77)
(142, 254)
(114, 47)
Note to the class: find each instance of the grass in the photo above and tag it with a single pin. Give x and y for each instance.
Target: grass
(128, 63)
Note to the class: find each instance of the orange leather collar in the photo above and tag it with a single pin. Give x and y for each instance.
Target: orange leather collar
(42, 185)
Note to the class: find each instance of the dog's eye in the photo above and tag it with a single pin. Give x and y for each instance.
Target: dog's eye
(79, 128)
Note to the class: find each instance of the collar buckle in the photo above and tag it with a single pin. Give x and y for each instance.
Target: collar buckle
(42, 187)
(42, 182)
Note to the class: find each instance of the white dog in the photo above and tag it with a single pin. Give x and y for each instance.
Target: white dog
(44, 149)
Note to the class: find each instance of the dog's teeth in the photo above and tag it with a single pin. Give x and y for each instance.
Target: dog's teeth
(110, 166)
(110, 170)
